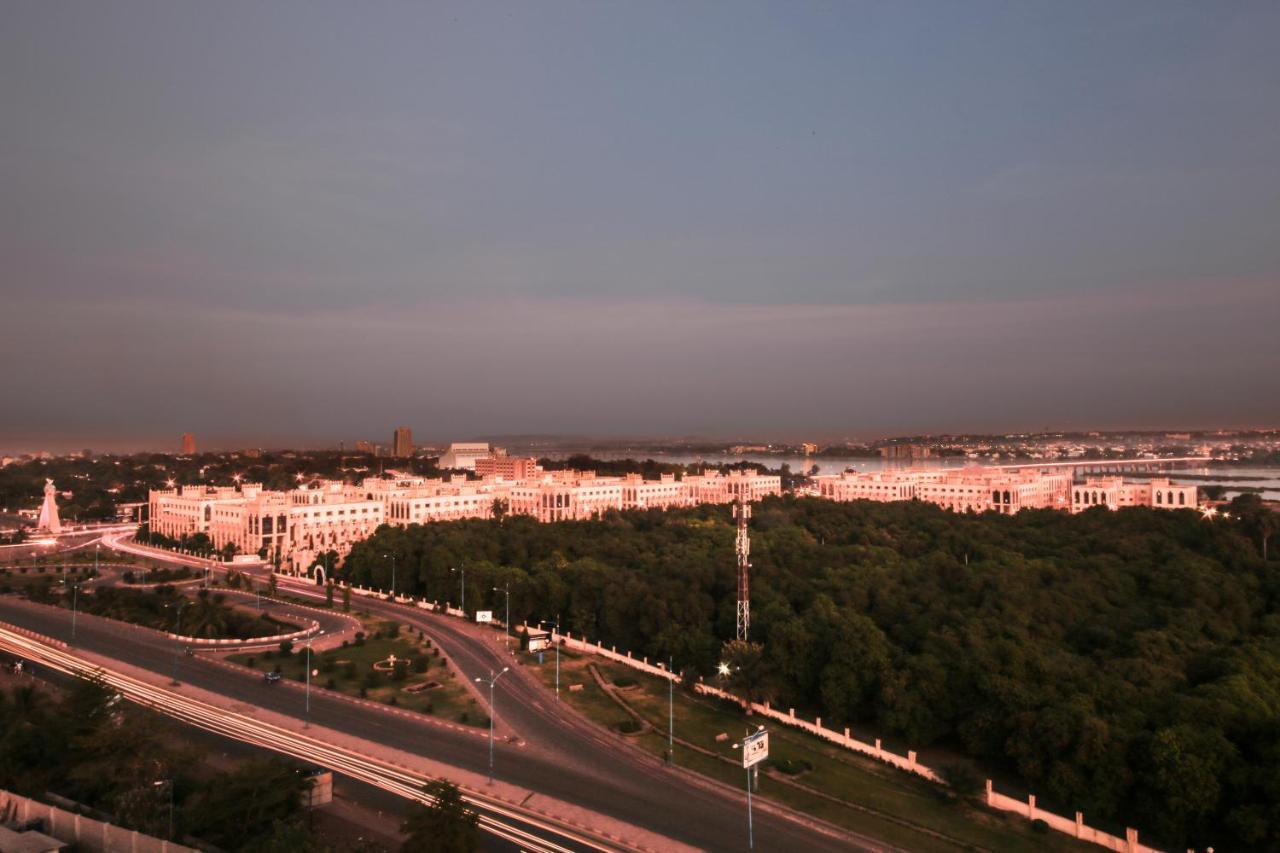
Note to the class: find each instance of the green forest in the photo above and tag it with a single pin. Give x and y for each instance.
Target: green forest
(1126, 664)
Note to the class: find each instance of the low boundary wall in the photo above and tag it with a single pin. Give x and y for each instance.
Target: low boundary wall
(84, 832)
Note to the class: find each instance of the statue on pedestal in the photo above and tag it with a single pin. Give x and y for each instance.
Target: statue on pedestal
(49, 510)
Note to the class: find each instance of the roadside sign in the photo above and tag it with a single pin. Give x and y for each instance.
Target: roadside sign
(484, 615)
(755, 748)
(539, 640)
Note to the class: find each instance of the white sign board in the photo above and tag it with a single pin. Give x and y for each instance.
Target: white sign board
(755, 748)
(484, 615)
(539, 642)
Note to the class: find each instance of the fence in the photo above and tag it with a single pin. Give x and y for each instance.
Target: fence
(85, 832)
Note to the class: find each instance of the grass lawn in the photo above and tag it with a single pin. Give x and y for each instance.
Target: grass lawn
(349, 669)
(883, 793)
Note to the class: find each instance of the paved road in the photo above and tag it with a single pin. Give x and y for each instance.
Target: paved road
(579, 766)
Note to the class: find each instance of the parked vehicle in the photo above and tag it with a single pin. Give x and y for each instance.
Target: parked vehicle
(271, 677)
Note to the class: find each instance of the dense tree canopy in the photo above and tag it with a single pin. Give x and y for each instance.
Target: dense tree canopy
(1123, 663)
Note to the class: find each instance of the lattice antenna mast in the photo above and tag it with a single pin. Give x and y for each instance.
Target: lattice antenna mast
(742, 512)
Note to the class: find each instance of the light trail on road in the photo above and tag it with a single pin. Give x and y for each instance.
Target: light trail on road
(494, 814)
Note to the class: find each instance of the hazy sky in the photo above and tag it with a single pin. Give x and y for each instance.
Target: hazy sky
(303, 222)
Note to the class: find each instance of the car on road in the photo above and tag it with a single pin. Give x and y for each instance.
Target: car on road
(271, 677)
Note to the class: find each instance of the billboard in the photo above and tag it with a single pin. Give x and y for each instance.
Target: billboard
(539, 641)
(755, 748)
(484, 615)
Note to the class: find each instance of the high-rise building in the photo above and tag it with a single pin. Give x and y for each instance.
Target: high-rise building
(188, 444)
(363, 446)
(403, 442)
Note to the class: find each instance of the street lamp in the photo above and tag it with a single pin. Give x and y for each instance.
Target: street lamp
(168, 782)
(671, 710)
(557, 636)
(751, 839)
(177, 640)
(307, 723)
(506, 624)
(493, 679)
(463, 570)
(393, 574)
(75, 596)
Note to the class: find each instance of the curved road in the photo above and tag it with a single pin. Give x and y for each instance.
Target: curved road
(563, 755)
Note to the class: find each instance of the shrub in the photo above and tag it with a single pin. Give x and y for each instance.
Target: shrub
(1039, 826)
(393, 700)
(420, 664)
(286, 647)
(464, 718)
(399, 670)
(359, 638)
(791, 766)
(330, 684)
(629, 726)
(963, 779)
(251, 663)
(364, 693)
(624, 681)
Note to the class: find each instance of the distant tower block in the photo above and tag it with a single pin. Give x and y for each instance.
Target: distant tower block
(188, 444)
(742, 512)
(49, 510)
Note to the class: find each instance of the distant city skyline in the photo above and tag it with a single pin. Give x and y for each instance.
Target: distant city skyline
(299, 223)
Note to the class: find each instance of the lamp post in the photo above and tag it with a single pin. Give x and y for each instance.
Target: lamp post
(307, 722)
(75, 595)
(671, 711)
(168, 782)
(751, 840)
(493, 679)
(557, 636)
(177, 641)
(393, 574)
(506, 624)
(463, 587)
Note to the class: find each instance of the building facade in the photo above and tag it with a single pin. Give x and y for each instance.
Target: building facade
(188, 443)
(462, 455)
(402, 442)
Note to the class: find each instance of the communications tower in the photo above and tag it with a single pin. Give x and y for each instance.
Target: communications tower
(742, 512)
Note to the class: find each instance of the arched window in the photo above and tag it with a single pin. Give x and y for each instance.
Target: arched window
(1159, 498)
(1077, 496)
(1104, 497)
(995, 497)
(1006, 496)
(1182, 498)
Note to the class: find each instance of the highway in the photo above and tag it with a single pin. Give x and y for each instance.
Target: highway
(562, 755)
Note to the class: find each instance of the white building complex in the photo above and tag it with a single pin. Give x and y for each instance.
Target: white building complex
(295, 527)
(980, 489)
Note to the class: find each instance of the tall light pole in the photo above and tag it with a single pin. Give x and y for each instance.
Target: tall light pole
(671, 711)
(168, 782)
(393, 574)
(307, 722)
(75, 595)
(557, 636)
(177, 641)
(751, 839)
(506, 624)
(463, 586)
(493, 679)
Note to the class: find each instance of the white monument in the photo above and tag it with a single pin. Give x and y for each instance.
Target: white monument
(49, 510)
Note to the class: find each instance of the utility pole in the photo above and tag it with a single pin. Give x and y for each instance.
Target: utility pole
(177, 641)
(742, 512)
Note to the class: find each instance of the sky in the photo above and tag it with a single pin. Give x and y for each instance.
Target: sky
(294, 223)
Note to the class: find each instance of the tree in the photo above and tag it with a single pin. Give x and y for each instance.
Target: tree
(247, 805)
(443, 825)
(328, 594)
(346, 599)
(748, 672)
